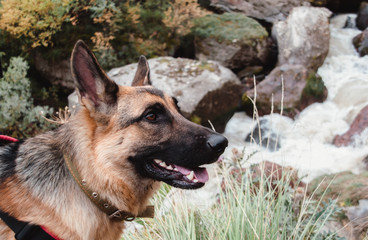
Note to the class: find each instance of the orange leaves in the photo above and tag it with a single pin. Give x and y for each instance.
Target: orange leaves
(35, 19)
(180, 15)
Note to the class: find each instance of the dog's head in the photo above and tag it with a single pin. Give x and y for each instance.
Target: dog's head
(142, 127)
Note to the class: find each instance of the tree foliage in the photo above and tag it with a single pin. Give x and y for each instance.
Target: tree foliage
(118, 30)
(36, 20)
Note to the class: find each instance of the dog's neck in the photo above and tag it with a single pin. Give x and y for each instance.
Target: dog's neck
(56, 201)
(122, 190)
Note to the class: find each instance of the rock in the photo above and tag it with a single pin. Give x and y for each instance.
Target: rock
(232, 39)
(343, 231)
(205, 90)
(357, 127)
(273, 172)
(263, 133)
(358, 216)
(350, 22)
(365, 163)
(349, 188)
(302, 87)
(268, 10)
(304, 37)
(362, 18)
(360, 43)
(57, 72)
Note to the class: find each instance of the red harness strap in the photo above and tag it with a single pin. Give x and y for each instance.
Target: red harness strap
(5, 138)
(8, 139)
(49, 233)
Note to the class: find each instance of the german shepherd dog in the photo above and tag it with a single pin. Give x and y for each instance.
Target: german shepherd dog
(116, 148)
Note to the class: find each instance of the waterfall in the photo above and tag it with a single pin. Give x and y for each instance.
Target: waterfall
(306, 141)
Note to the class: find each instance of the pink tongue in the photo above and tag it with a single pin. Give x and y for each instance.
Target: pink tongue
(199, 173)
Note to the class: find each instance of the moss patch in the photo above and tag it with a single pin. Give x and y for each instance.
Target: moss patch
(349, 188)
(229, 27)
(314, 87)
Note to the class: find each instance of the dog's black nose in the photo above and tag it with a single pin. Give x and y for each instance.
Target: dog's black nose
(217, 142)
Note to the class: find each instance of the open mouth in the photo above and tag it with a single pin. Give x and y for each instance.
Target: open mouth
(177, 176)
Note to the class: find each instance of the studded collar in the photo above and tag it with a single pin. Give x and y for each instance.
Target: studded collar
(104, 205)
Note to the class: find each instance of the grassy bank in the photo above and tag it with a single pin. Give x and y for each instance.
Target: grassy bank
(247, 207)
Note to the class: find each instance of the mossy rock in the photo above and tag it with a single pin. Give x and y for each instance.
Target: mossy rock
(315, 86)
(229, 27)
(233, 40)
(349, 188)
(314, 90)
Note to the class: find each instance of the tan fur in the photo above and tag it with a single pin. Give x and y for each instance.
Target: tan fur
(96, 146)
(101, 139)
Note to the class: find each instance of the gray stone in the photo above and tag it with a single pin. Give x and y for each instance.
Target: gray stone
(362, 18)
(360, 43)
(264, 134)
(304, 37)
(205, 90)
(358, 216)
(301, 88)
(268, 10)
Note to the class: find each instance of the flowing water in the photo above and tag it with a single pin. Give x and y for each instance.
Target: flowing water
(306, 141)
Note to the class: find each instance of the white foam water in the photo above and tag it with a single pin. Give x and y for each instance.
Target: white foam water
(306, 142)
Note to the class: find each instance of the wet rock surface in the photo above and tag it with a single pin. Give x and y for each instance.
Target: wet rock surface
(361, 43)
(357, 127)
(301, 88)
(362, 18)
(262, 133)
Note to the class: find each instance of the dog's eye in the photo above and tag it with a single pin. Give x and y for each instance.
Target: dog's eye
(151, 117)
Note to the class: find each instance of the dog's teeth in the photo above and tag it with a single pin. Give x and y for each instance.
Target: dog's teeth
(163, 164)
(158, 161)
(175, 169)
(190, 176)
(195, 180)
(169, 167)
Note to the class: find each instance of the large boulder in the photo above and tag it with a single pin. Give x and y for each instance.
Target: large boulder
(232, 39)
(362, 18)
(302, 87)
(360, 43)
(357, 127)
(304, 37)
(205, 90)
(268, 10)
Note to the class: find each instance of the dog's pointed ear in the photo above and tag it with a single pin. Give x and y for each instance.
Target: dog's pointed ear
(95, 88)
(142, 75)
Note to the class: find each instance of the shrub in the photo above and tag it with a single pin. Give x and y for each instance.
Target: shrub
(119, 30)
(18, 116)
(36, 20)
